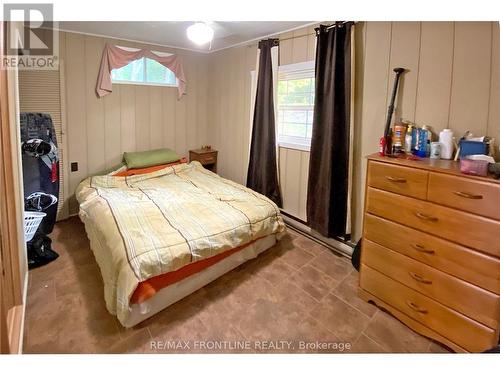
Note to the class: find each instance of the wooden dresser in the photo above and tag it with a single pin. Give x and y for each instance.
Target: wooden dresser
(431, 250)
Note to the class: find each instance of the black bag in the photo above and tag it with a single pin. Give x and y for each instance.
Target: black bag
(356, 255)
(40, 251)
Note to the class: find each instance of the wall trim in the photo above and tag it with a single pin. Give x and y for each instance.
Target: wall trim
(64, 212)
(129, 40)
(23, 314)
(250, 41)
(334, 245)
(306, 65)
(207, 52)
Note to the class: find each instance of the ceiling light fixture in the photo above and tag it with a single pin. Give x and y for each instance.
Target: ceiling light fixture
(200, 33)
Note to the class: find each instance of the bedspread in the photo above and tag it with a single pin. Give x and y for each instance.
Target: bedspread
(145, 225)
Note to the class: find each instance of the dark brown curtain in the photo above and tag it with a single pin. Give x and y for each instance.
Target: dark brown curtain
(329, 158)
(262, 169)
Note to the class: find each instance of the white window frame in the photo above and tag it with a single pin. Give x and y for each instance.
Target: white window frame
(144, 83)
(298, 70)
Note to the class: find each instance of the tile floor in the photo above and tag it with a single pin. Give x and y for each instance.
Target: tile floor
(292, 297)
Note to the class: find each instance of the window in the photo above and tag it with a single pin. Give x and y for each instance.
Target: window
(295, 105)
(144, 71)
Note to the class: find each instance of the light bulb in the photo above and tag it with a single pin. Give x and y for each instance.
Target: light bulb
(200, 33)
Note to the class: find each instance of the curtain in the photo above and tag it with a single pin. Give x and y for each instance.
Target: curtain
(329, 166)
(262, 175)
(114, 57)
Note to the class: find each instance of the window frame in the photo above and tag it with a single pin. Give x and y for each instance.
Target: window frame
(144, 83)
(291, 71)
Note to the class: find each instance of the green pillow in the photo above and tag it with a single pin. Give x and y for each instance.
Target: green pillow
(144, 159)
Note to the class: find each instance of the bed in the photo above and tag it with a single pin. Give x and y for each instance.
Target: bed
(159, 236)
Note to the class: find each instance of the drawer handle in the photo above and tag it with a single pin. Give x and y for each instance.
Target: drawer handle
(416, 308)
(422, 216)
(419, 278)
(464, 194)
(396, 179)
(422, 249)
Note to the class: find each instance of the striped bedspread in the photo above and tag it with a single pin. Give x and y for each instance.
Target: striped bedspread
(146, 225)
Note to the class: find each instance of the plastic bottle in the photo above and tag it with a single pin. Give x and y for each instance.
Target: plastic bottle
(446, 140)
(414, 139)
(428, 141)
(382, 142)
(422, 143)
(409, 139)
(398, 138)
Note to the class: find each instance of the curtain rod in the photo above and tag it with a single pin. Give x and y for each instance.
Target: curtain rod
(314, 33)
(338, 24)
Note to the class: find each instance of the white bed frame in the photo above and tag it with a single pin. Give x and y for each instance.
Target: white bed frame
(175, 292)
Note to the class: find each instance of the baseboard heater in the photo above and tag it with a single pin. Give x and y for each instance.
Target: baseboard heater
(344, 248)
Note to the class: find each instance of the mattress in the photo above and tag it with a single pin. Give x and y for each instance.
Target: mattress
(175, 292)
(143, 226)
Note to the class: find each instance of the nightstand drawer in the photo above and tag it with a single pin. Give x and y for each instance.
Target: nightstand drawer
(401, 180)
(207, 158)
(459, 295)
(463, 331)
(466, 194)
(477, 268)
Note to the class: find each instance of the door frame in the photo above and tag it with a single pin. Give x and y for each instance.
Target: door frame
(13, 247)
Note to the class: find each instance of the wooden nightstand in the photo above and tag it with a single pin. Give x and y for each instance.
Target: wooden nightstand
(207, 158)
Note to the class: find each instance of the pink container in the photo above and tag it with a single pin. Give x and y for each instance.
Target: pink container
(474, 167)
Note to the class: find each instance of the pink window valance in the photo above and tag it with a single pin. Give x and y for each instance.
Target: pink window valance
(114, 57)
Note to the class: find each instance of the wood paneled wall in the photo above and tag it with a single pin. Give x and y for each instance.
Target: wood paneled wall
(132, 117)
(453, 81)
(229, 125)
(229, 103)
(294, 171)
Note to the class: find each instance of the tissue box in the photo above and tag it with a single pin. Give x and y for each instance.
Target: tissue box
(472, 148)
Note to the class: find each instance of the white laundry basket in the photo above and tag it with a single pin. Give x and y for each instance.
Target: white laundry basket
(32, 220)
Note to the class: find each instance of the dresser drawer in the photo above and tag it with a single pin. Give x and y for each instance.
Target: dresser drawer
(401, 180)
(463, 331)
(467, 264)
(466, 194)
(459, 295)
(467, 229)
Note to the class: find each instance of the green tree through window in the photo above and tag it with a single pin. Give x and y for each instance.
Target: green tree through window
(295, 110)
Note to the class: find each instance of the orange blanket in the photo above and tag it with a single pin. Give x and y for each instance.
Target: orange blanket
(154, 168)
(147, 289)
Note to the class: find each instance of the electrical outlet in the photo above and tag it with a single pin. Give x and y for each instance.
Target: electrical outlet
(74, 166)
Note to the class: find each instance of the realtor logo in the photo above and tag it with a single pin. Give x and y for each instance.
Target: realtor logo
(29, 36)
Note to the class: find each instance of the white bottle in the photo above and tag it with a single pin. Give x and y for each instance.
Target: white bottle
(446, 140)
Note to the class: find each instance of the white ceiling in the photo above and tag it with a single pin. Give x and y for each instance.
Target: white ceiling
(173, 34)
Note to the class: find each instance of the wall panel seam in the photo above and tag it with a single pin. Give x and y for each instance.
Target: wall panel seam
(491, 79)
(388, 70)
(452, 75)
(418, 70)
